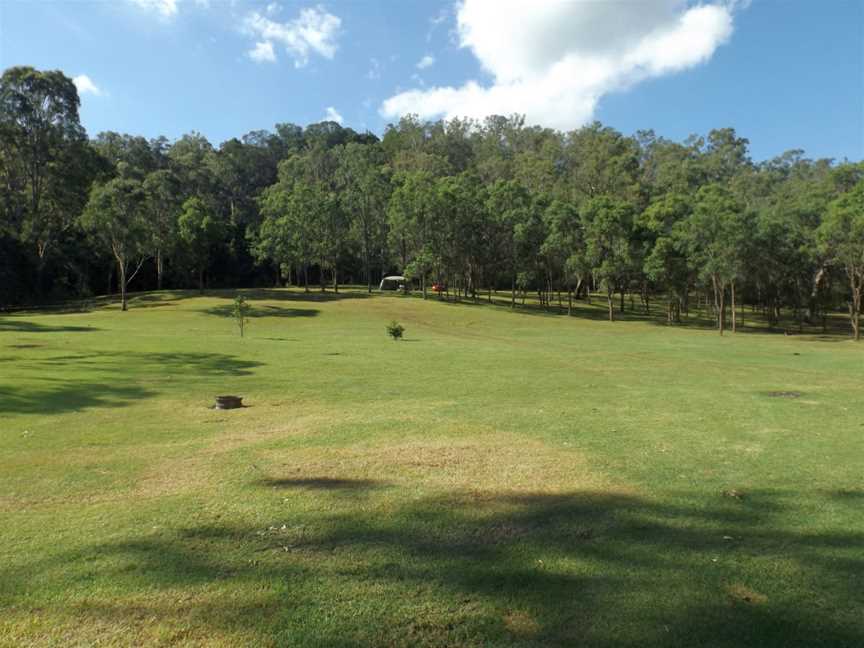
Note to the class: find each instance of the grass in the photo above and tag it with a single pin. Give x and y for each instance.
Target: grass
(496, 478)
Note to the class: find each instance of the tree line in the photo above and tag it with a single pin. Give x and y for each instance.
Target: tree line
(476, 206)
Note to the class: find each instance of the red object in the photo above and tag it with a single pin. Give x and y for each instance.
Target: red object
(437, 287)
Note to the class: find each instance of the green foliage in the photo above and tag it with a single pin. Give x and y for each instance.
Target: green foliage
(395, 330)
(476, 205)
(240, 312)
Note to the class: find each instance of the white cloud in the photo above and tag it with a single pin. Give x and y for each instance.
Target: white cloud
(553, 63)
(425, 62)
(374, 69)
(262, 52)
(273, 8)
(332, 115)
(165, 8)
(314, 31)
(85, 85)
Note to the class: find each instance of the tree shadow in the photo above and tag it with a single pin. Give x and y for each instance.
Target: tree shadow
(23, 326)
(67, 396)
(579, 568)
(262, 311)
(321, 483)
(117, 379)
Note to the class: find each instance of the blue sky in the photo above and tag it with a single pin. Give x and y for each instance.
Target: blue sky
(784, 74)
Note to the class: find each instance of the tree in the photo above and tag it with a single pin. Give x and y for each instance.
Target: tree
(42, 141)
(608, 223)
(509, 206)
(162, 204)
(841, 236)
(115, 216)
(364, 190)
(666, 262)
(410, 221)
(199, 230)
(714, 238)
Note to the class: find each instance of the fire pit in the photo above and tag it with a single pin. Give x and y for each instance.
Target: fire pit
(228, 402)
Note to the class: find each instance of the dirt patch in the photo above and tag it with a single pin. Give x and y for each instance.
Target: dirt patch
(521, 624)
(495, 463)
(739, 593)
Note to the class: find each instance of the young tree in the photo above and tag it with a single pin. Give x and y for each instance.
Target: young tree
(841, 236)
(115, 216)
(199, 230)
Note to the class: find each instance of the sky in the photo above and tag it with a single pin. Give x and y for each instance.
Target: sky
(786, 75)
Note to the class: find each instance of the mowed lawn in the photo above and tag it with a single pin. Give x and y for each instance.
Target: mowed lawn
(494, 479)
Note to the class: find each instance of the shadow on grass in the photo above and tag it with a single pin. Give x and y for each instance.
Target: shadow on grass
(23, 326)
(114, 379)
(581, 568)
(262, 311)
(320, 483)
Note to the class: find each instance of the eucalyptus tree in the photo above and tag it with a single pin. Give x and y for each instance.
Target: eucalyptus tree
(364, 189)
(841, 236)
(41, 139)
(162, 193)
(607, 223)
(410, 219)
(666, 261)
(115, 217)
(199, 230)
(714, 238)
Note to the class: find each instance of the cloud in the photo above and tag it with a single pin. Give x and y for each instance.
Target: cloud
(554, 62)
(273, 8)
(262, 52)
(165, 8)
(314, 31)
(85, 85)
(374, 69)
(425, 62)
(436, 20)
(332, 115)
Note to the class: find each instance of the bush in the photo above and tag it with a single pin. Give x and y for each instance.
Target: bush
(395, 330)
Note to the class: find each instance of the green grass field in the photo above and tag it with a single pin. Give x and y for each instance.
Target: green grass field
(495, 479)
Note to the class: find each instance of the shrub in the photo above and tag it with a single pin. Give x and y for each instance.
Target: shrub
(395, 330)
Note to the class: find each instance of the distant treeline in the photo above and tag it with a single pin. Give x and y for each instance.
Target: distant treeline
(475, 205)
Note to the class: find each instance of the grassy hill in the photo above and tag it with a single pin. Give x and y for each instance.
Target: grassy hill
(496, 478)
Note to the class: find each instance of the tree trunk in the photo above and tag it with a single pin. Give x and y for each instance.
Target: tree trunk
(159, 269)
(734, 316)
(621, 290)
(609, 295)
(121, 268)
(569, 301)
(855, 304)
(306, 278)
(513, 292)
(201, 281)
(335, 279)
